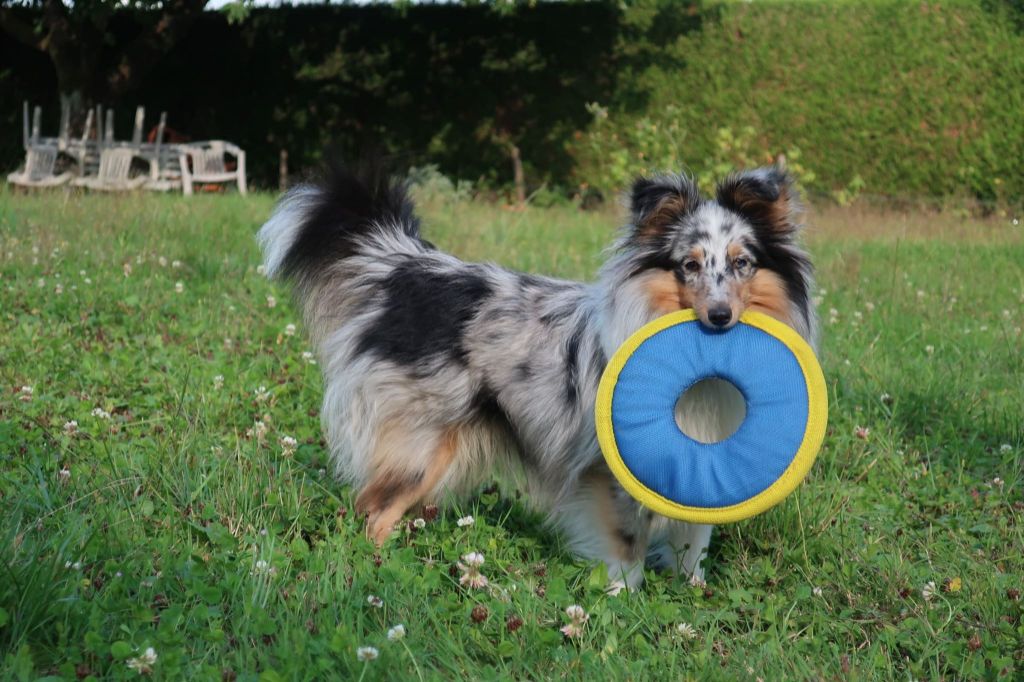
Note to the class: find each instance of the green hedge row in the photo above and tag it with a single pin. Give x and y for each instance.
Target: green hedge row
(888, 97)
(891, 98)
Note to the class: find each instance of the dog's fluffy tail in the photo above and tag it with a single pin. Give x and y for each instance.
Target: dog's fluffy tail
(318, 224)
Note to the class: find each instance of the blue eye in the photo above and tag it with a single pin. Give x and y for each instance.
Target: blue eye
(741, 263)
(691, 266)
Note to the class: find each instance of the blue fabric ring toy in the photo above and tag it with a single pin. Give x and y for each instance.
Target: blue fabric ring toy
(748, 472)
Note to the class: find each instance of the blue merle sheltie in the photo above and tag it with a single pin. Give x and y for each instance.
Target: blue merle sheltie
(441, 373)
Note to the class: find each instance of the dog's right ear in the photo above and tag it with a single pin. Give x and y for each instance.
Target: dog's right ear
(659, 202)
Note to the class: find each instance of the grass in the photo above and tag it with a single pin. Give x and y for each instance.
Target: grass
(173, 524)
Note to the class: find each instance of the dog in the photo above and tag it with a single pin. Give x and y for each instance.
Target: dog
(439, 373)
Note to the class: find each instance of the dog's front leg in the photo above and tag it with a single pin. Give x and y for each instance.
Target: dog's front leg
(601, 521)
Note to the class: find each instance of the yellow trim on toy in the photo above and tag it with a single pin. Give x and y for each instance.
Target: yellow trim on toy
(814, 433)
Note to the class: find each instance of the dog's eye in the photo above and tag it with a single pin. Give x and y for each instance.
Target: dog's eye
(741, 263)
(691, 266)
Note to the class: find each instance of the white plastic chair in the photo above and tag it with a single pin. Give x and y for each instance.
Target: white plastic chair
(114, 172)
(208, 165)
(38, 171)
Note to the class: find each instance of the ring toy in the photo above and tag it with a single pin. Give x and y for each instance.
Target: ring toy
(748, 472)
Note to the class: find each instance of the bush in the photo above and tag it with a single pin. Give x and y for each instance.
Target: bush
(888, 98)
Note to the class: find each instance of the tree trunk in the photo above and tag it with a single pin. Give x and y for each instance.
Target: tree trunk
(517, 174)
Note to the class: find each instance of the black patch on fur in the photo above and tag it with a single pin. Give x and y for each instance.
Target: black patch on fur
(653, 260)
(572, 364)
(487, 409)
(349, 204)
(424, 314)
(523, 371)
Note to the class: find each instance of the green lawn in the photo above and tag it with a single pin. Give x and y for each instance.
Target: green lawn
(167, 520)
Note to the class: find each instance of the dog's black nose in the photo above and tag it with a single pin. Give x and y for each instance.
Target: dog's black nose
(720, 316)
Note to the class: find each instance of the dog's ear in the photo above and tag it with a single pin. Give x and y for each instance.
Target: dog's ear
(656, 203)
(766, 197)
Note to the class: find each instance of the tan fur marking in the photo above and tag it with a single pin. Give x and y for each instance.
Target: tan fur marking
(665, 294)
(600, 484)
(733, 250)
(765, 292)
(667, 212)
(389, 495)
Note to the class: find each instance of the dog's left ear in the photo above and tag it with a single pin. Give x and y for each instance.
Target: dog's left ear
(766, 197)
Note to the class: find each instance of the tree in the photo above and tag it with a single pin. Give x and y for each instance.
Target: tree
(73, 36)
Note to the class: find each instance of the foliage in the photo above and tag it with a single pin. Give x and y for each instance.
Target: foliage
(911, 98)
(430, 185)
(169, 519)
(868, 90)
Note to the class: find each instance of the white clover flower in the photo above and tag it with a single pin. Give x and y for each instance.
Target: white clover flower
(997, 482)
(929, 590)
(1006, 313)
(25, 394)
(862, 432)
(261, 393)
(87, 280)
(419, 524)
(1005, 447)
(885, 398)
(258, 430)
(289, 330)
(686, 631)
(271, 302)
(218, 381)
(474, 559)
(471, 575)
(697, 581)
(260, 270)
(396, 633)
(375, 601)
(929, 349)
(367, 653)
(64, 474)
(308, 357)
(465, 521)
(179, 287)
(577, 619)
(127, 269)
(817, 591)
(144, 663)
(100, 413)
(262, 567)
(176, 264)
(71, 427)
(59, 289)
(76, 566)
(162, 261)
(288, 444)
(40, 282)
(869, 306)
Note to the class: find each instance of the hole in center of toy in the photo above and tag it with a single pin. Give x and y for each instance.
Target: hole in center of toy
(711, 410)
